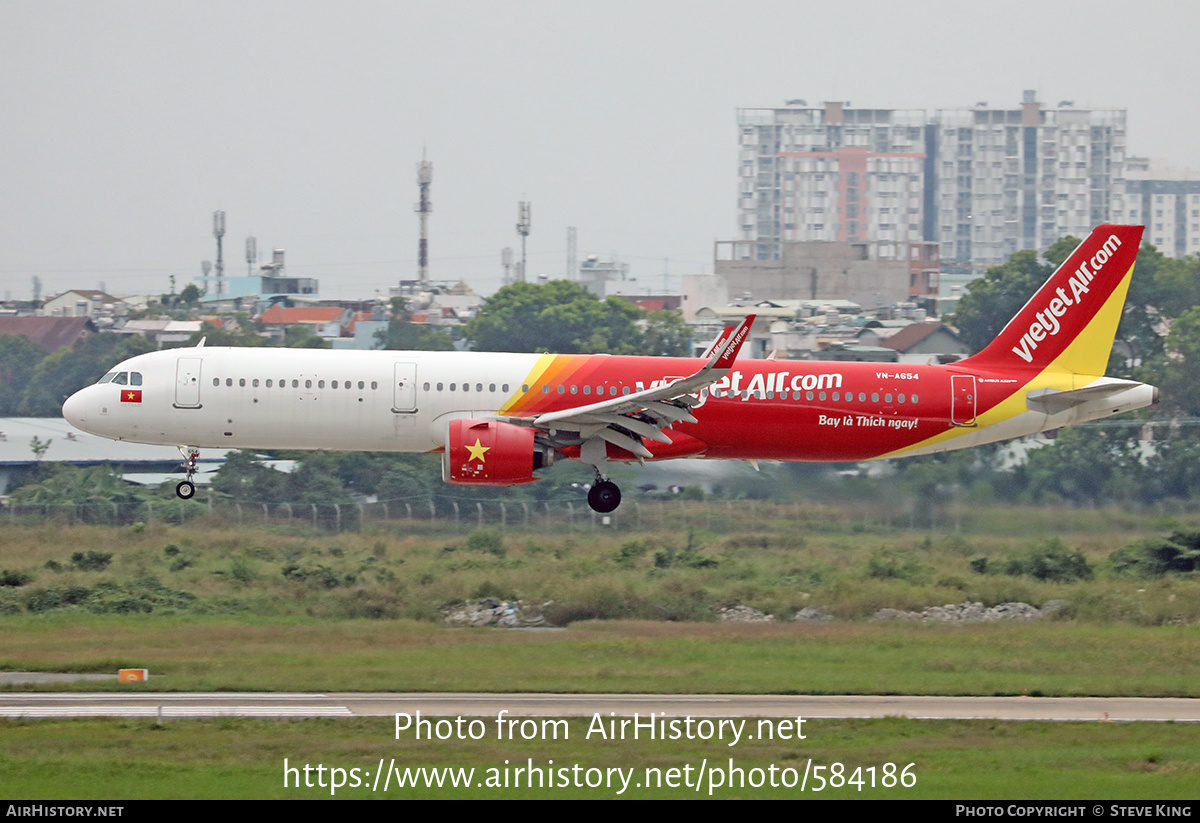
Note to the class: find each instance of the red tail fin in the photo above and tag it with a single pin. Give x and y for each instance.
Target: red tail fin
(1071, 321)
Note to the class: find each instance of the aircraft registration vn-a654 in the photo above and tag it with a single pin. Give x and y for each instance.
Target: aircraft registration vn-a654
(498, 418)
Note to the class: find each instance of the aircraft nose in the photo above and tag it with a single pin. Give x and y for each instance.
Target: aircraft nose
(73, 410)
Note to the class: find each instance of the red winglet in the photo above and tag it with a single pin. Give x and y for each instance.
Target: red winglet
(720, 341)
(734, 345)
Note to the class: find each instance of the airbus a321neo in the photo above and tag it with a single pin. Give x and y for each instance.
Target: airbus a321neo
(498, 418)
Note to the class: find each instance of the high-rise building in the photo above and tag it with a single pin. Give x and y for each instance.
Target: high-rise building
(981, 182)
(829, 173)
(1166, 201)
(1009, 179)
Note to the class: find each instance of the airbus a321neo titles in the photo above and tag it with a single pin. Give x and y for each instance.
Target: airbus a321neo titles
(498, 418)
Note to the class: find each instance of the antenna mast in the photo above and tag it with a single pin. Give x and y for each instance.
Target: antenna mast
(219, 232)
(424, 207)
(524, 222)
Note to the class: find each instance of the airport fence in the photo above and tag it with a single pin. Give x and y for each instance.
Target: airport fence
(437, 514)
(440, 514)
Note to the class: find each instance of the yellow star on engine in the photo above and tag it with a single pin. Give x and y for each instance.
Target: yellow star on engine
(477, 451)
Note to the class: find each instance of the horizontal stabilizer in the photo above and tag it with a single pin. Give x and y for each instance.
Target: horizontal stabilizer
(1053, 401)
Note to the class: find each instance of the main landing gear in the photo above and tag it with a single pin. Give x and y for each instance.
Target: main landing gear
(604, 496)
(186, 489)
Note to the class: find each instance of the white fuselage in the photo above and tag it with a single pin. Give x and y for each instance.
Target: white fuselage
(219, 397)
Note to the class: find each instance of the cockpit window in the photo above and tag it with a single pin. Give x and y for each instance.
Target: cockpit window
(107, 378)
(135, 378)
(122, 378)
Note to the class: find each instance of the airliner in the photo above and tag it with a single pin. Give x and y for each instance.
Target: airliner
(498, 418)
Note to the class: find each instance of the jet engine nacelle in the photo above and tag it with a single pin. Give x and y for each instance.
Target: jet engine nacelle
(491, 453)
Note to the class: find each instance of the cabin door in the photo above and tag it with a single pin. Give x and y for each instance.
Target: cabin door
(187, 383)
(962, 399)
(404, 388)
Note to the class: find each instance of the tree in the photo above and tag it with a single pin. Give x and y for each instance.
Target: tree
(564, 317)
(994, 299)
(1084, 466)
(1151, 297)
(666, 335)
(243, 335)
(402, 334)
(190, 295)
(18, 357)
(57, 376)
(300, 336)
(1180, 388)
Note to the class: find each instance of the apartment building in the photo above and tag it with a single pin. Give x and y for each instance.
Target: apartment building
(981, 182)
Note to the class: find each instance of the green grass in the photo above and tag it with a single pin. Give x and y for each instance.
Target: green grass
(791, 557)
(251, 654)
(228, 758)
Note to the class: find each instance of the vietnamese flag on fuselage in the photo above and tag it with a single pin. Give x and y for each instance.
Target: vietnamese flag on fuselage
(131, 395)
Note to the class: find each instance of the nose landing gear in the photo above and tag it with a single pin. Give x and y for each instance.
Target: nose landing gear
(186, 489)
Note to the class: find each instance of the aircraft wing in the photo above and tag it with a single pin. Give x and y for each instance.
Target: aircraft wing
(624, 420)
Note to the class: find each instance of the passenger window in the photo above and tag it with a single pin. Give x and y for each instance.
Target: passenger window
(624, 390)
(268, 384)
(308, 384)
(333, 385)
(900, 398)
(562, 389)
(821, 396)
(587, 389)
(441, 387)
(504, 388)
(875, 397)
(887, 398)
(426, 387)
(452, 385)
(362, 385)
(808, 395)
(254, 382)
(135, 378)
(216, 381)
(320, 384)
(545, 388)
(479, 387)
(374, 385)
(295, 384)
(228, 381)
(242, 382)
(835, 396)
(491, 386)
(914, 398)
(466, 386)
(121, 379)
(862, 397)
(574, 390)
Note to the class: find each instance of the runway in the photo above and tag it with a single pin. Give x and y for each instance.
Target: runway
(281, 705)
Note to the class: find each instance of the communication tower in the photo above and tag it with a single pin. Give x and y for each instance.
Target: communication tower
(424, 207)
(524, 223)
(219, 232)
(251, 255)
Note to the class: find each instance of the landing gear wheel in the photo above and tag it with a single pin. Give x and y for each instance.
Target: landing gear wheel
(185, 490)
(604, 496)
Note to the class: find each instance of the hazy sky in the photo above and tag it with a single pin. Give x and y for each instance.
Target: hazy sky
(126, 124)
